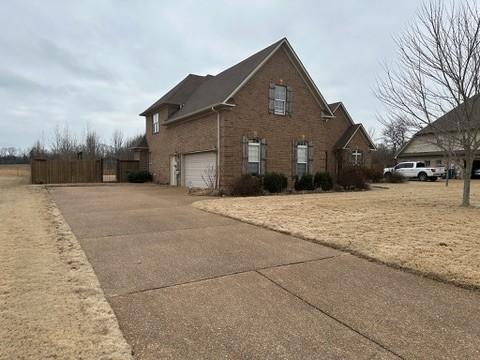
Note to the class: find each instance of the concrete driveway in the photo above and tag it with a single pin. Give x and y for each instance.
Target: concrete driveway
(187, 284)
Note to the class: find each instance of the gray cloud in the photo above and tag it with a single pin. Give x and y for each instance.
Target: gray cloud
(101, 62)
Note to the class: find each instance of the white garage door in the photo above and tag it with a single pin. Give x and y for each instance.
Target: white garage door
(200, 169)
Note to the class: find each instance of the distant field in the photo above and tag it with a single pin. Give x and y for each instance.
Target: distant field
(21, 170)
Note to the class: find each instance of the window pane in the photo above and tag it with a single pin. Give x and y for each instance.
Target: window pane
(302, 156)
(279, 107)
(254, 152)
(301, 169)
(253, 168)
(280, 92)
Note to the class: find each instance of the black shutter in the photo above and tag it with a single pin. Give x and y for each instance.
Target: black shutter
(271, 98)
(294, 158)
(310, 158)
(289, 100)
(263, 156)
(245, 155)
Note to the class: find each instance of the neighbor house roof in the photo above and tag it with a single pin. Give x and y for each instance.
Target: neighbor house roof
(450, 121)
(200, 93)
(348, 135)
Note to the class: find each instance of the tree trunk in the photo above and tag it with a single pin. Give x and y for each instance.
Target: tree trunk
(447, 175)
(467, 175)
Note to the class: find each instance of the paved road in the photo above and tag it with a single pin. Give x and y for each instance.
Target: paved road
(186, 284)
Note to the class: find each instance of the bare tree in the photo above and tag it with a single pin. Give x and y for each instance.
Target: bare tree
(93, 147)
(437, 72)
(117, 142)
(395, 132)
(64, 144)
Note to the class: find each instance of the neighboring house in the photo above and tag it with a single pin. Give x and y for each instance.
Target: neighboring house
(424, 145)
(264, 114)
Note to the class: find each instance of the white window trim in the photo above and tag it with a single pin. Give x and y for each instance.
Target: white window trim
(155, 124)
(283, 101)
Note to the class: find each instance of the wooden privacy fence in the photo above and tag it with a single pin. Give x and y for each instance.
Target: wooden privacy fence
(126, 166)
(66, 171)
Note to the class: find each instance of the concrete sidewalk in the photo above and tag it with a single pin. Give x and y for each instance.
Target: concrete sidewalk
(188, 284)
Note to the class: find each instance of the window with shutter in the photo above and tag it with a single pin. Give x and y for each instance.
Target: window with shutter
(302, 159)
(280, 100)
(253, 157)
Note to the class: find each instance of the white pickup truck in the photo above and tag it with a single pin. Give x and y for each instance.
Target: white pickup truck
(415, 170)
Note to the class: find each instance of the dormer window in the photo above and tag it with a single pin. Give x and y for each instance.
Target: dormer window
(280, 100)
(155, 124)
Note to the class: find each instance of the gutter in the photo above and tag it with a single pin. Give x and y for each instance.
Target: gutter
(210, 107)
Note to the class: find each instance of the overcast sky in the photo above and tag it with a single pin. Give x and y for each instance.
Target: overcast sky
(100, 63)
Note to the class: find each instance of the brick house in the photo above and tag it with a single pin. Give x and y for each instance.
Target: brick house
(262, 115)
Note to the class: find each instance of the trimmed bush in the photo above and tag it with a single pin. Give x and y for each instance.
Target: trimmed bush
(323, 180)
(372, 174)
(304, 183)
(275, 182)
(139, 176)
(247, 185)
(353, 179)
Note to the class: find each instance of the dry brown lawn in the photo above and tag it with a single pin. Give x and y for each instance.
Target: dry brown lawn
(51, 304)
(416, 226)
(22, 170)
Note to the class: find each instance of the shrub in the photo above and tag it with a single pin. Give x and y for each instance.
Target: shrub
(275, 182)
(323, 180)
(247, 185)
(372, 174)
(304, 183)
(396, 178)
(139, 176)
(352, 178)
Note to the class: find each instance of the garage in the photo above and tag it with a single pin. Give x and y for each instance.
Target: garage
(200, 169)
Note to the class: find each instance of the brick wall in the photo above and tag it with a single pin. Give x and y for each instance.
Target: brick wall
(198, 134)
(251, 118)
(361, 143)
(335, 129)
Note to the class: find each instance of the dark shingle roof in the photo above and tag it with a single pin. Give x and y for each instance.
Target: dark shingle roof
(334, 106)
(197, 92)
(180, 93)
(346, 136)
(452, 119)
(216, 89)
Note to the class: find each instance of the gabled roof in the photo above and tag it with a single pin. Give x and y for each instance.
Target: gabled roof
(216, 90)
(349, 134)
(339, 105)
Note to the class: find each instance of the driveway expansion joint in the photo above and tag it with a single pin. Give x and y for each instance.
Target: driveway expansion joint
(329, 315)
(154, 232)
(222, 276)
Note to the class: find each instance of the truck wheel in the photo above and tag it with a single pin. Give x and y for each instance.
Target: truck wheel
(422, 176)
(387, 175)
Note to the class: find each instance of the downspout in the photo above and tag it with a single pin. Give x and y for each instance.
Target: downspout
(217, 180)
